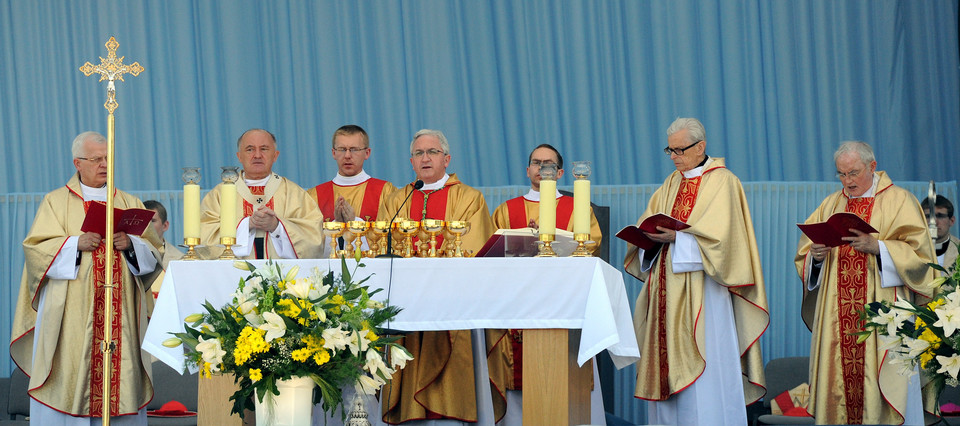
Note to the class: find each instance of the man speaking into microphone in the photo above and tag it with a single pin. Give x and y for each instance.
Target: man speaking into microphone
(439, 382)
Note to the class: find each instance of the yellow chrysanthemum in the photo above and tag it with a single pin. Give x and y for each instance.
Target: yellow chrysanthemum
(920, 323)
(249, 343)
(301, 354)
(935, 304)
(205, 372)
(321, 357)
(371, 336)
(931, 337)
(282, 285)
(288, 307)
(925, 357)
(338, 299)
(255, 374)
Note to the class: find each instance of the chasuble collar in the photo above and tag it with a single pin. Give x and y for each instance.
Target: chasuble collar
(436, 185)
(341, 180)
(534, 195)
(257, 182)
(698, 171)
(870, 192)
(93, 194)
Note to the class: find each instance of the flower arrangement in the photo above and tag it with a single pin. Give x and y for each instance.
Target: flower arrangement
(925, 335)
(278, 327)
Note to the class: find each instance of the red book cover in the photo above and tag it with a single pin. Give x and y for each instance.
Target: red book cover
(131, 221)
(635, 234)
(831, 232)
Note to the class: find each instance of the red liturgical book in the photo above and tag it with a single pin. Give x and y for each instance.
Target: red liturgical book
(831, 232)
(634, 234)
(131, 221)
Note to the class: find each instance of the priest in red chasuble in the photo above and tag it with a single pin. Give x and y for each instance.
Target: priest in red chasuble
(505, 348)
(352, 194)
(850, 382)
(61, 311)
(278, 220)
(701, 313)
(439, 382)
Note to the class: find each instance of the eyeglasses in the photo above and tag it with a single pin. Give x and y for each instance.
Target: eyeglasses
(343, 150)
(95, 160)
(680, 151)
(941, 216)
(851, 174)
(538, 163)
(431, 152)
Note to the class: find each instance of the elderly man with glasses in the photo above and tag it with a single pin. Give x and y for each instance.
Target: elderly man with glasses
(439, 382)
(58, 325)
(701, 313)
(850, 381)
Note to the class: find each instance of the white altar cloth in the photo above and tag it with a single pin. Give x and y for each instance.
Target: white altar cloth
(438, 294)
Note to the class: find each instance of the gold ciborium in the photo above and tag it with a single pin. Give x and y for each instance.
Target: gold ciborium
(459, 228)
(377, 237)
(355, 231)
(432, 227)
(333, 230)
(407, 229)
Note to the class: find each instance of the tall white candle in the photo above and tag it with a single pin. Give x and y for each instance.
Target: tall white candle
(581, 206)
(228, 210)
(191, 210)
(548, 207)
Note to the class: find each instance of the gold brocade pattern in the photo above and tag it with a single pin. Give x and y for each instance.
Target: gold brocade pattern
(99, 319)
(852, 288)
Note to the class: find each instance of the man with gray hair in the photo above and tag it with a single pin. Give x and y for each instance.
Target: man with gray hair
(850, 381)
(704, 307)
(57, 330)
(441, 375)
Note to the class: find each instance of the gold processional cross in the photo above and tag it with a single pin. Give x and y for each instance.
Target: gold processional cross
(110, 69)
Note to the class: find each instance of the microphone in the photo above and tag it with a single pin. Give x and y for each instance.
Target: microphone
(416, 185)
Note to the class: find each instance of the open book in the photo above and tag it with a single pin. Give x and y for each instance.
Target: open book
(831, 232)
(522, 242)
(131, 221)
(635, 234)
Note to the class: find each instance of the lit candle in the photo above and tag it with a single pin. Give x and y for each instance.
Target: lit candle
(191, 210)
(228, 210)
(548, 207)
(581, 206)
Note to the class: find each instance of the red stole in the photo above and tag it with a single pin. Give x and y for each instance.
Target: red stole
(518, 212)
(99, 319)
(369, 207)
(247, 207)
(682, 206)
(851, 295)
(434, 206)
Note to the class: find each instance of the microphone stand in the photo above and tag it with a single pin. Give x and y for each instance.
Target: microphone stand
(416, 186)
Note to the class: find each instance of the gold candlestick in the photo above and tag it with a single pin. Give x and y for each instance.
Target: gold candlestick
(546, 246)
(227, 251)
(191, 254)
(581, 250)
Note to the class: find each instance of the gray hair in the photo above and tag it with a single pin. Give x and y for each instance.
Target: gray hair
(695, 130)
(860, 148)
(77, 148)
(272, 137)
(436, 133)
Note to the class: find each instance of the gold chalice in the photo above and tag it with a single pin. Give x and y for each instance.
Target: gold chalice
(355, 230)
(407, 229)
(458, 228)
(377, 237)
(432, 227)
(333, 230)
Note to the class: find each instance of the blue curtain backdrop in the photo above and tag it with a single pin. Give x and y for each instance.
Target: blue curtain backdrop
(778, 84)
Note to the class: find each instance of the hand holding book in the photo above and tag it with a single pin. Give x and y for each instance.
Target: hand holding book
(636, 235)
(833, 232)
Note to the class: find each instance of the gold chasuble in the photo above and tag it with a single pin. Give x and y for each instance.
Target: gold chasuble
(439, 382)
(66, 368)
(668, 311)
(365, 197)
(850, 382)
(296, 210)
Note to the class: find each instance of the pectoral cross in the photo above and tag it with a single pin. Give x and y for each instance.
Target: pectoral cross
(111, 69)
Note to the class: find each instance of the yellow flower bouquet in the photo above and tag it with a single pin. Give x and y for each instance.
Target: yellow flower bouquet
(279, 326)
(925, 335)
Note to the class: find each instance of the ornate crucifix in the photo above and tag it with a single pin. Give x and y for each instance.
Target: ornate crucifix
(110, 69)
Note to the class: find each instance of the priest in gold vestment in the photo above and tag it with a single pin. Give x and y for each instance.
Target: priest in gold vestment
(278, 220)
(60, 314)
(439, 382)
(850, 382)
(701, 313)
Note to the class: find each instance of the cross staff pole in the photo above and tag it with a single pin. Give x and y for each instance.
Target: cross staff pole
(112, 68)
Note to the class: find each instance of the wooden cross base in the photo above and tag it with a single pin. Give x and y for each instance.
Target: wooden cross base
(556, 391)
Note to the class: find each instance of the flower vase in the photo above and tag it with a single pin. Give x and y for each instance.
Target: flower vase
(293, 407)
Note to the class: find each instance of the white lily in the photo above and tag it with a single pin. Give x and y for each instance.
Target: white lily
(949, 364)
(399, 356)
(905, 366)
(375, 365)
(915, 346)
(302, 289)
(335, 339)
(274, 326)
(368, 385)
(888, 342)
(948, 319)
(357, 342)
(212, 352)
(292, 273)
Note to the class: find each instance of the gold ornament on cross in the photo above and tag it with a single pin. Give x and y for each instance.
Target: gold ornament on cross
(111, 69)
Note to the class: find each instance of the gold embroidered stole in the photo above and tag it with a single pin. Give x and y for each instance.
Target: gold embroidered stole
(682, 206)
(851, 291)
(97, 375)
